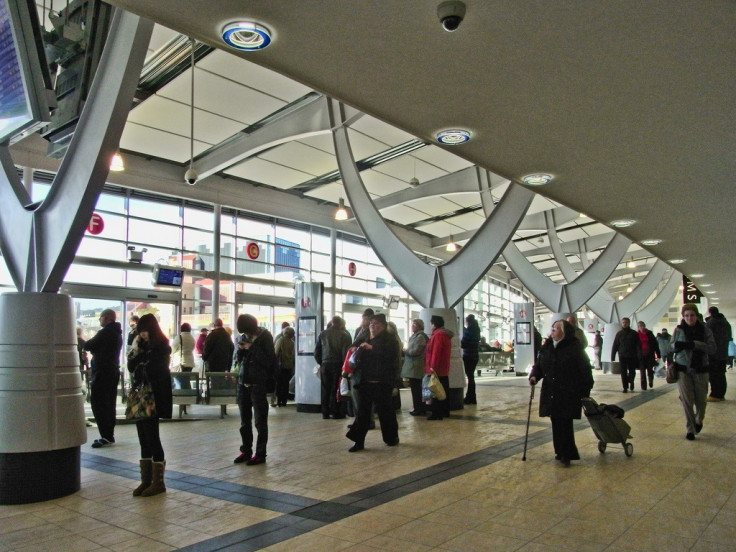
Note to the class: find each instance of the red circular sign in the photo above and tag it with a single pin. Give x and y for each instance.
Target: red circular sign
(96, 224)
(352, 269)
(253, 250)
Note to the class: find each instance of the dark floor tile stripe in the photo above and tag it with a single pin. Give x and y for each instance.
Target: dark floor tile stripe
(302, 515)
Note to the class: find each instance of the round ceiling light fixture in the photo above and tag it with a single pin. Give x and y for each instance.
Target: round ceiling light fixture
(453, 137)
(246, 36)
(537, 179)
(623, 223)
(653, 241)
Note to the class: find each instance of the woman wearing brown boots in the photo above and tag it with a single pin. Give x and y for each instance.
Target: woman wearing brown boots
(149, 359)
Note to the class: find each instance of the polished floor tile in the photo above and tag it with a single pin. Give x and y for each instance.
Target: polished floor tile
(455, 485)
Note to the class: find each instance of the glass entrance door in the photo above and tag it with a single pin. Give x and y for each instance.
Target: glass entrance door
(90, 301)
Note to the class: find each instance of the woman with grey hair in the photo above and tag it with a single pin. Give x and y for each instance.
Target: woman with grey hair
(413, 367)
(566, 378)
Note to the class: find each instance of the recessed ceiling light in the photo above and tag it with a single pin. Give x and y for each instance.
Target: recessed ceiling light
(537, 179)
(653, 241)
(710, 292)
(705, 285)
(623, 223)
(246, 36)
(697, 275)
(676, 261)
(453, 137)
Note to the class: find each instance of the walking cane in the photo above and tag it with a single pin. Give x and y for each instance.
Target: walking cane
(528, 418)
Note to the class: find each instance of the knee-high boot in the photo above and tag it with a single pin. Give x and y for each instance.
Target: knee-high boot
(146, 467)
(157, 480)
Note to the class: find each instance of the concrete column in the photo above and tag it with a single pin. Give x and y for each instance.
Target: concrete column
(42, 415)
(609, 334)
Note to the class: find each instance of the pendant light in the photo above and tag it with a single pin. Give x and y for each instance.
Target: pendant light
(451, 246)
(342, 212)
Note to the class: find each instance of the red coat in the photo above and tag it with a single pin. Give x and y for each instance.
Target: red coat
(438, 352)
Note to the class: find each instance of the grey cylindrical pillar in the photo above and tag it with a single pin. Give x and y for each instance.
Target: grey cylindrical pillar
(41, 402)
(609, 335)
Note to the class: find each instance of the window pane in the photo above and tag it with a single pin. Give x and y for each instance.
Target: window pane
(320, 243)
(111, 203)
(102, 249)
(155, 233)
(147, 209)
(40, 191)
(228, 224)
(197, 240)
(95, 275)
(199, 218)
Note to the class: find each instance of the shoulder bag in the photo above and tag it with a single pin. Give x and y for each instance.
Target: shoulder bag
(141, 404)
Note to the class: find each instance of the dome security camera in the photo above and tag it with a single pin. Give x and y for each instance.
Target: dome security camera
(451, 14)
(191, 177)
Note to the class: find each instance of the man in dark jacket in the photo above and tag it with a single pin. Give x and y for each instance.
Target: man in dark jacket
(626, 344)
(329, 352)
(718, 363)
(257, 358)
(105, 347)
(218, 349)
(377, 375)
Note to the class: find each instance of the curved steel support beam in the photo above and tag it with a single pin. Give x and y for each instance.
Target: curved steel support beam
(431, 286)
(310, 119)
(601, 303)
(54, 228)
(655, 310)
(568, 297)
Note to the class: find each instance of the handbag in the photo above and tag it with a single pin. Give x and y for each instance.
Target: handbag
(671, 374)
(435, 385)
(141, 403)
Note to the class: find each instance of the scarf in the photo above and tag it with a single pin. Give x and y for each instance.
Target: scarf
(644, 340)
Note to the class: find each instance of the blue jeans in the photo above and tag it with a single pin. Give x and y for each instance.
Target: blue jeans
(253, 406)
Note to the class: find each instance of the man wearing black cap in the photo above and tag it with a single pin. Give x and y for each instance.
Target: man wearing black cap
(721, 329)
(377, 374)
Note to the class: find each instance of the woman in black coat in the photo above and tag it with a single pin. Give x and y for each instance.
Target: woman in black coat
(567, 378)
(469, 345)
(149, 358)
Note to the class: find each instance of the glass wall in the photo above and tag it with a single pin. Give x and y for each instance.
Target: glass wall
(260, 257)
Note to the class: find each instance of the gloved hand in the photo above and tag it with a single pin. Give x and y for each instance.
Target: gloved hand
(683, 346)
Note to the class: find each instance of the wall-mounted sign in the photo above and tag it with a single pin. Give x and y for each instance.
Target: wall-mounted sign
(690, 292)
(352, 269)
(252, 250)
(96, 224)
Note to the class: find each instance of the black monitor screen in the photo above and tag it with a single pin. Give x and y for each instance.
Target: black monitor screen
(23, 67)
(169, 276)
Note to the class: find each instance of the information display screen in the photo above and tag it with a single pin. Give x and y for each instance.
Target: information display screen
(164, 276)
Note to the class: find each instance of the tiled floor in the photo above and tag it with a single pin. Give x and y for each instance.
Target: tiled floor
(455, 485)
